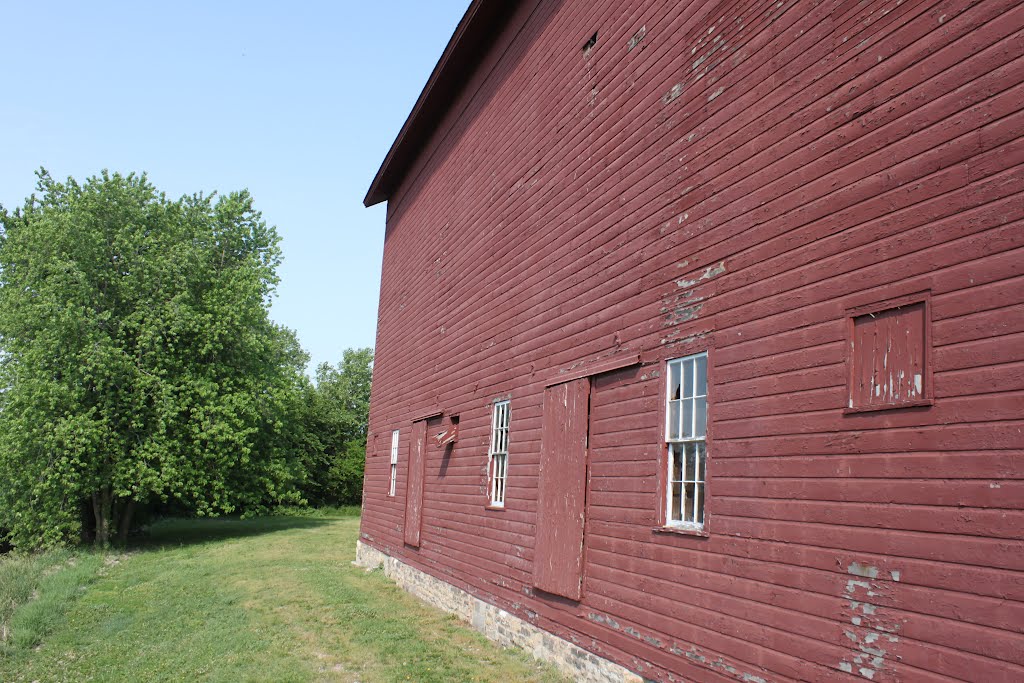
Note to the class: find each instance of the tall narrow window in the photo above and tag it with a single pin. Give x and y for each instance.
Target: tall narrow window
(394, 462)
(686, 421)
(498, 455)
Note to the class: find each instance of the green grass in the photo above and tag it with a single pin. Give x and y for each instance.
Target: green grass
(35, 592)
(318, 513)
(269, 599)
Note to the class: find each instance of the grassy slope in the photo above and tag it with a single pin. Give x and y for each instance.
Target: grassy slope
(36, 591)
(273, 599)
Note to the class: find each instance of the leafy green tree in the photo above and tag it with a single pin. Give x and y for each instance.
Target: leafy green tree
(336, 415)
(139, 364)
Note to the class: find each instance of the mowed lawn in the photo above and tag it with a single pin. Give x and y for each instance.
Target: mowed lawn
(270, 599)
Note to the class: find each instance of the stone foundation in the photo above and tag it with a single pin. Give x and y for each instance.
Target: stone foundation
(498, 625)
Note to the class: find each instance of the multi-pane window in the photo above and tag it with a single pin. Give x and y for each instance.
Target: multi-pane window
(686, 421)
(498, 454)
(394, 462)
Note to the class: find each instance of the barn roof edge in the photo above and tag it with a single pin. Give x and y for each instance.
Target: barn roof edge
(457, 62)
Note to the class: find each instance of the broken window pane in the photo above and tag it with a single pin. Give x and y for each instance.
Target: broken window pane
(673, 381)
(688, 502)
(691, 461)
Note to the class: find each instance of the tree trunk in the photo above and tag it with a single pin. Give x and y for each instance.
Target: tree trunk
(124, 524)
(103, 504)
(95, 515)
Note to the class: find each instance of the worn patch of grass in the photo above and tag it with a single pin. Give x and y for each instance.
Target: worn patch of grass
(36, 591)
(269, 599)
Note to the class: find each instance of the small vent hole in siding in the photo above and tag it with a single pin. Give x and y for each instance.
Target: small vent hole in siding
(589, 45)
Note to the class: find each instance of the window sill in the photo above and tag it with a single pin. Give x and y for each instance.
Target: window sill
(495, 508)
(888, 406)
(700, 532)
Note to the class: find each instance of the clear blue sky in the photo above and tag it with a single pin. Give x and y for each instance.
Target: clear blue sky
(298, 102)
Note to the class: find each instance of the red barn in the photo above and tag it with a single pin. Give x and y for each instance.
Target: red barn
(700, 352)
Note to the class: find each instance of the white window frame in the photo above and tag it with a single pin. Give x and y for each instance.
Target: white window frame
(686, 434)
(497, 454)
(394, 462)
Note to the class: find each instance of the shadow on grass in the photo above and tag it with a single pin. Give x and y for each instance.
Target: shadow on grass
(184, 532)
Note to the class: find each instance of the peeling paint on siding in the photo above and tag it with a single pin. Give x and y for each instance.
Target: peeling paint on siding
(688, 309)
(873, 634)
(718, 664)
(858, 569)
(603, 619)
(637, 37)
(674, 92)
(686, 305)
(672, 338)
(692, 653)
(710, 272)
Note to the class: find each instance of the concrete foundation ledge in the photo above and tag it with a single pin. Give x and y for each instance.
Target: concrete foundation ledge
(496, 624)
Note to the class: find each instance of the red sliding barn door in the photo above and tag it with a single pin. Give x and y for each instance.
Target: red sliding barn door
(414, 483)
(562, 491)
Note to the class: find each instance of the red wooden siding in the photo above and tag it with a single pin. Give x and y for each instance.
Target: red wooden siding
(414, 484)
(562, 489)
(749, 178)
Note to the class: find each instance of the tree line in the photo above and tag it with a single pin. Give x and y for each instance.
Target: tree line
(140, 371)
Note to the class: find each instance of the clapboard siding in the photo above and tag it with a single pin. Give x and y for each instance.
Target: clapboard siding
(737, 180)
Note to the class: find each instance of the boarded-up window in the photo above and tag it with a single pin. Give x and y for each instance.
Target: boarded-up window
(888, 357)
(558, 556)
(414, 483)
